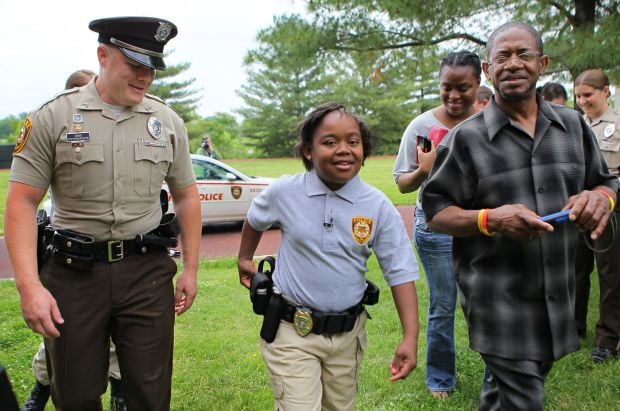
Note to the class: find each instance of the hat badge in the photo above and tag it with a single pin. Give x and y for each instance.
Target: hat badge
(154, 127)
(163, 31)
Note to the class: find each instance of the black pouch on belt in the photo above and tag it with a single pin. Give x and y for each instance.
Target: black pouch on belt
(261, 286)
(73, 249)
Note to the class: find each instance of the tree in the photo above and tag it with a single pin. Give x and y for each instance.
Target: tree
(176, 93)
(578, 34)
(286, 78)
(10, 128)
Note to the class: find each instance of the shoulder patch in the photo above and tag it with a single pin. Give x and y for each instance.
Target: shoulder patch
(23, 136)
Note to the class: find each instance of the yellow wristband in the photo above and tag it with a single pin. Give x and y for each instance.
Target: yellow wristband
(612, 203)
(480, 213)
(482, 222)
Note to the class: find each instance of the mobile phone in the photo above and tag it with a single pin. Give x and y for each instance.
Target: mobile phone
(556, 218)
(424, 143)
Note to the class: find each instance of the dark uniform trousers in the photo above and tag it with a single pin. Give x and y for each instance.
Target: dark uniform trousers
(132, 301)
(608, 266)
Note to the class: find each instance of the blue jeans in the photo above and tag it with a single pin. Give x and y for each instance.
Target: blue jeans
(435, 252)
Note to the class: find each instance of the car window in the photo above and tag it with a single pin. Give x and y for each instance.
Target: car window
(208, 171)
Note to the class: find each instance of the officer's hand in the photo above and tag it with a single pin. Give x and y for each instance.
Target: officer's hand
(517, 222)
(589, 211)
(247, 269)
(405, 360)
(186, 290)
(40, 311)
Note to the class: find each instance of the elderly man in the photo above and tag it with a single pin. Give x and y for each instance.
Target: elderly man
(495, 175)
(104, 151)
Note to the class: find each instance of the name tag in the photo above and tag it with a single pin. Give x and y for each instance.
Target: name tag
(78, 137)
(154, 144)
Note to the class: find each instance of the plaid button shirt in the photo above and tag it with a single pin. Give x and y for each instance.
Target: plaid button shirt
(517, 296)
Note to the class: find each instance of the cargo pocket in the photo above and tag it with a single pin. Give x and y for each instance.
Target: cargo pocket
(151, 167)
(277, 386)
(79, 169)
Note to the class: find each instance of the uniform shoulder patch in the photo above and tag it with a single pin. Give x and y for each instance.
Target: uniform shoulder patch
(23, 137)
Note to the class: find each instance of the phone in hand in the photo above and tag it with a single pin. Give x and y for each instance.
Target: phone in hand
(424, 143)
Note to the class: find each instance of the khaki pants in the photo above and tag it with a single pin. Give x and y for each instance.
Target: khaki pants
(315, 372)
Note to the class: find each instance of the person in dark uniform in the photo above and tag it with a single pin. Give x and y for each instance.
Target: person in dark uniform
(104, 151)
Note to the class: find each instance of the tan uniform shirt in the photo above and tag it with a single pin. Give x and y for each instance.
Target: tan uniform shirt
(607, 131)
(105, 171)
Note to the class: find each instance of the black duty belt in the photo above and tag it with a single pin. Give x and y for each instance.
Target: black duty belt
(80, 251)
(110, 251)
(307, 321)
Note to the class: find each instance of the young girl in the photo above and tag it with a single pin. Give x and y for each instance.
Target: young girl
(459, 78)
(330, 222)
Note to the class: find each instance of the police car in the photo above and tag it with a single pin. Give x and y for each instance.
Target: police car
(225, 193)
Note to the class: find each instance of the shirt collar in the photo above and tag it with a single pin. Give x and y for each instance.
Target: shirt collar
(90, 100)
(608, 116)
(495, 119)
(349, 192)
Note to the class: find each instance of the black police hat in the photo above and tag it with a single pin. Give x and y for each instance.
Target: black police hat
(142, 39)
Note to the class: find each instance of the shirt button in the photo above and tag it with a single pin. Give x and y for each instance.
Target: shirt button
(540, 189)
(551, 298)
(548, 263)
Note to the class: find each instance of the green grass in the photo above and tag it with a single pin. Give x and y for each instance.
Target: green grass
(218, 364)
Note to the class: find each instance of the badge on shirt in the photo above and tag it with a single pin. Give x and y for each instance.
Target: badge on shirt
(78, 122)
(154, 127)
(23, 137)
(361, 228)
(609, 130)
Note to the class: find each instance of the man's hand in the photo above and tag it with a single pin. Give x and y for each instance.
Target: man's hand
(589, 211)
(517, 222)
(40, 310)
(405, 360)
(186, 289)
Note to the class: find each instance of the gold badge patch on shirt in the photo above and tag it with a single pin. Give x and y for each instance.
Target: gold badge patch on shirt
(24, 134)
(361, 228)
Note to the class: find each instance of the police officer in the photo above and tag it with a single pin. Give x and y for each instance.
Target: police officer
(104, 150)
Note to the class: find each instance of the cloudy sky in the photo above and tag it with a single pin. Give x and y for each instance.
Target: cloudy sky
(44, 41)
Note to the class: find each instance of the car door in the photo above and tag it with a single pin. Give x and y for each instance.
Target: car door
(223, 194)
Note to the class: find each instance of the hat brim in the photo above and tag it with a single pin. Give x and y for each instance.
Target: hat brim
(152, 62)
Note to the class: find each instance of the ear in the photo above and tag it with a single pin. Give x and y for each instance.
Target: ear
(103, 55)
(543, 61)
(306, 151)
(485, 68)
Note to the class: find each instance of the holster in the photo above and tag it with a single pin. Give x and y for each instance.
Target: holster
(273, 315)
(261, 286)
(44, 238)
